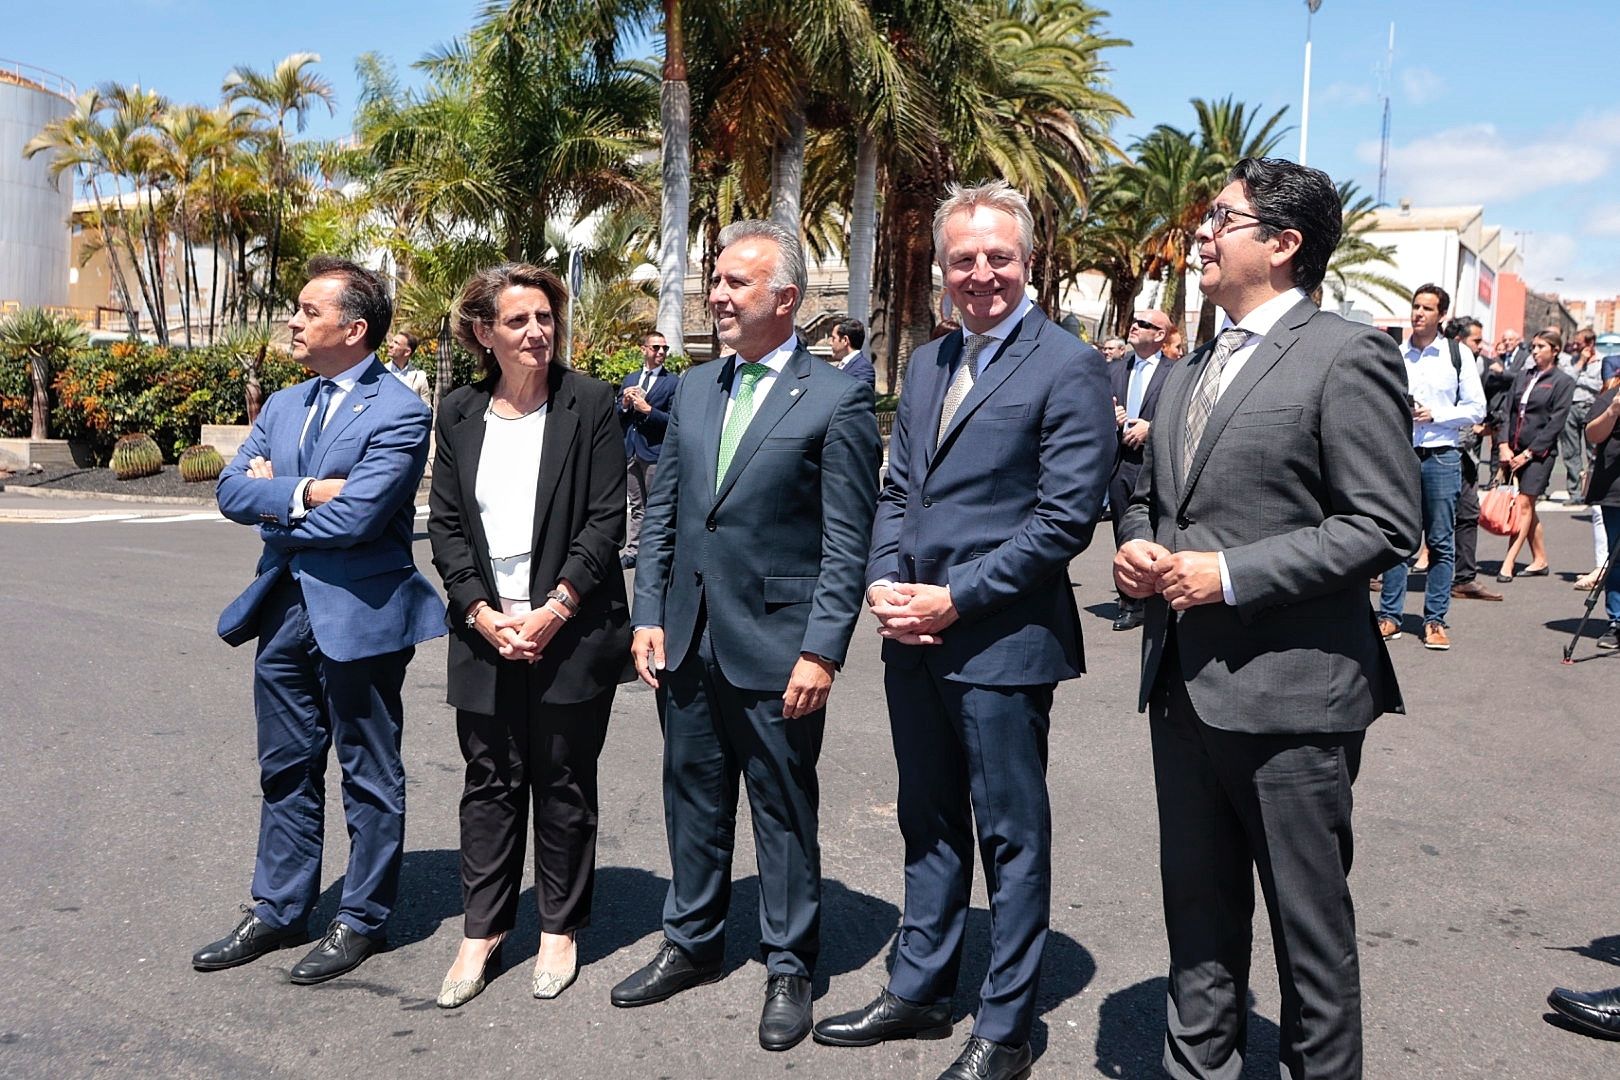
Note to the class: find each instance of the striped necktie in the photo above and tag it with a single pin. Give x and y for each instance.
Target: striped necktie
(961, 384)
(1208, 391)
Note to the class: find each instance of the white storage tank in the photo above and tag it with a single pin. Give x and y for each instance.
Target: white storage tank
(35, 239)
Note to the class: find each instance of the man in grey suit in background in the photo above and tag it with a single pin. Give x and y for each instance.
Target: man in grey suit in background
(748, 585)
(1278, 479)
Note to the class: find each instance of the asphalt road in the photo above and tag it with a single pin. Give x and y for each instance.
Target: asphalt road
(1486, 870)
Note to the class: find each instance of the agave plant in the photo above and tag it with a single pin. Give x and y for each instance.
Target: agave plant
(42, 339)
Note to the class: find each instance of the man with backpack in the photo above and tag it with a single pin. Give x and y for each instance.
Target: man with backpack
(1465, 334)
(1447, 400)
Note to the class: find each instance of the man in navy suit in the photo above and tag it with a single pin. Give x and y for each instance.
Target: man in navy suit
(328, 475)
(644, 413)
(1003, 441)
(845, 340)
(746, 597)
(1136, 385)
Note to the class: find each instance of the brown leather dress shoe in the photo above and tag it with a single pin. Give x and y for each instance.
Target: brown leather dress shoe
(1389, 629)
(1473, 590)
(1435, 637)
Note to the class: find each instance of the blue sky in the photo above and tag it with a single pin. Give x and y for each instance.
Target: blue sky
(1491, 103)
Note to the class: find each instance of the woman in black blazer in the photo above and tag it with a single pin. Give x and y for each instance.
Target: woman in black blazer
(526, 520)
(1528, 422)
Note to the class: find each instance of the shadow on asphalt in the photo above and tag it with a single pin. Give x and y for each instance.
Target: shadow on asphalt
(429, 893)
(1606, 949)
(1130, 1034)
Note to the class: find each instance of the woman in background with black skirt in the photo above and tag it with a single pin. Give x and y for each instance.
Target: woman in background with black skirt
(1529, 420)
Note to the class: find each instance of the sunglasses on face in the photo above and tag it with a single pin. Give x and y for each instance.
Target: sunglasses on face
(656, 348)
(1143, 324)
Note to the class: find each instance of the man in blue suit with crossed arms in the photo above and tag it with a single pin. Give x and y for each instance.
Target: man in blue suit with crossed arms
(329, 475)
(1003, 442)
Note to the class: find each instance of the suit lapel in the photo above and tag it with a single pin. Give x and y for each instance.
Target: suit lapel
(1177, 411)
(785, 393)
(289, 431)
(562, 424)
(945, 363)
(467, 442)
(714, 419)
(355, 402)
(1266, 355)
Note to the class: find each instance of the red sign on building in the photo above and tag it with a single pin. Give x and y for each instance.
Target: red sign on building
(1487, 279)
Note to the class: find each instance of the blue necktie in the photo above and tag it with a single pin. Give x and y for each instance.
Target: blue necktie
(312, 433)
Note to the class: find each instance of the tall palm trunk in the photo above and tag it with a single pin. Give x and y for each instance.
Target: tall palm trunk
(120, 283)
(909, 210)
(675, 118)
(863, 227)
(787, 169)
(39, 367)
(1206, 324)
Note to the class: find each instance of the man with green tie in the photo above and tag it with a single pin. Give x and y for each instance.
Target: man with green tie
(749, 582)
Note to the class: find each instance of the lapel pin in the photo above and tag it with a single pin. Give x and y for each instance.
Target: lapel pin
(794, 392)
(357, 408)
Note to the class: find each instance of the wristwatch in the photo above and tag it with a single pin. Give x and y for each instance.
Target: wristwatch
(472, 613)
(561, 596)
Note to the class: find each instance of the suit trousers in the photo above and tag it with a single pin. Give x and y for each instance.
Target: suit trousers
(1231, 803)
(638, 481)
(305, 703)
(972, 756)
(714, 733)
(1465, 538)
(529, 751)
(1120, 486)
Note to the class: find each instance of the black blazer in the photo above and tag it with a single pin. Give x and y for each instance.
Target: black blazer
(1119, 381)
(578, 528)
(1544, 414)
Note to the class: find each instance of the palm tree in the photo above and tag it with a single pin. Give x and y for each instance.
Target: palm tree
(42, 340)
(290, 88)
(1350, 266)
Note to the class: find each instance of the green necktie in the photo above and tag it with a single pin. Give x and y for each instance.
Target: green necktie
(742, 411)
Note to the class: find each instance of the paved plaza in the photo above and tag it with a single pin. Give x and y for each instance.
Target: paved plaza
(1486, 869)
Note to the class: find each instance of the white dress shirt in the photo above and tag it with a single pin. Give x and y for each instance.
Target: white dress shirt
(1137, 386)
(345, 381)
(508, 476)
(1456, 399)
(1000, 332)
(775, 360)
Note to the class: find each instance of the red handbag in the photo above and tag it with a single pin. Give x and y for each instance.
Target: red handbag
(1499, 510)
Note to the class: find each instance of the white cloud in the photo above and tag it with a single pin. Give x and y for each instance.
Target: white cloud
(1422, 86)
(1604, 221)
(1347, 93)
(1476, 163)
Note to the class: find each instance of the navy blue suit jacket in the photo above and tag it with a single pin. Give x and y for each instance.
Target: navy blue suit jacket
(998, 510)
(775, 555)
(644, 432)
(352, 555)
(860, 367)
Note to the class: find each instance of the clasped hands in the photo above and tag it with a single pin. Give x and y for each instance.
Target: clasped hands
(519, 637)
(912, 613)
(1184, 578)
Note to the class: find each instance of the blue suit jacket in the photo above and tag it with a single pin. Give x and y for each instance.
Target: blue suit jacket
(352, 556)
(860, 367)
(644, 432)
(999, 509)
(775, 555)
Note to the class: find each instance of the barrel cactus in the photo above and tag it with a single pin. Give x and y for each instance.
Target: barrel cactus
(199, 463)
(135, 456)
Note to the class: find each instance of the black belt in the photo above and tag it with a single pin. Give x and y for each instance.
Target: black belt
(1430, 451)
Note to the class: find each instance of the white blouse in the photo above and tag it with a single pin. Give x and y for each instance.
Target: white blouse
(508, 473)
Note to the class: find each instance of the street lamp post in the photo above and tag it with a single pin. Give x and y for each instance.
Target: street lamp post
(1305, 96)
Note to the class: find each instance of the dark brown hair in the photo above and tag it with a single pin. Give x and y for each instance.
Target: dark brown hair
(364, 297)
(477, 304)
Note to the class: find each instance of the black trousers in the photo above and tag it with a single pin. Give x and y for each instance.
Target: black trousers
(1465, 540)
(1120, 487)
(716, 734)
(1231, 804)
(526, 751)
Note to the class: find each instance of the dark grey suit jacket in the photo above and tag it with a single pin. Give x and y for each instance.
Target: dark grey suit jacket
(1306, 480)
(775, 555)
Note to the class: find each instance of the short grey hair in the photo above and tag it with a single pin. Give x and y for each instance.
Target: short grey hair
(790, 268)
(993, 195)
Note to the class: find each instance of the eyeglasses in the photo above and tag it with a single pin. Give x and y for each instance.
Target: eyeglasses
(1143, 324)
(656, 348)
(1220, 216)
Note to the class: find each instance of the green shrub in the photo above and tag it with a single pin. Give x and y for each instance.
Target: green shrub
(612, 367)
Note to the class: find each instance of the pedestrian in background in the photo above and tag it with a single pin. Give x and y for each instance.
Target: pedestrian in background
(1529, 424)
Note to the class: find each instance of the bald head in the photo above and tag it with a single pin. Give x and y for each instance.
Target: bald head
(1149, 329)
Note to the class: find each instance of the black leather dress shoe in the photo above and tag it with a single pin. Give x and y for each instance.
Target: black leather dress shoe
(985, 1060)
(1596, 1012)
(252, 938)
(341, 950)
(888, 1017)
(1130, 618)
(785, 1020)
(670, 972)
